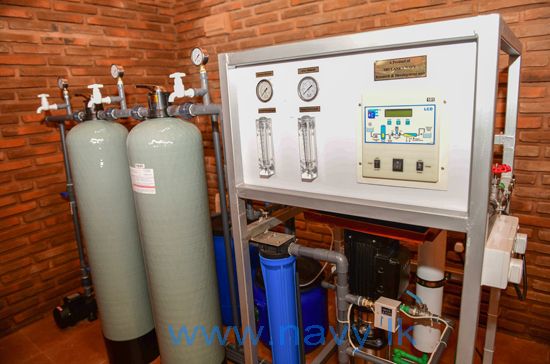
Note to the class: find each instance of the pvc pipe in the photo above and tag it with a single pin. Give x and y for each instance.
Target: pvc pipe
(366, 356)
(342, 287)
(220, 173)
(84, 270)
(431, 269)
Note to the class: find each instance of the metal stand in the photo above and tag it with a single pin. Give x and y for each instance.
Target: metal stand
(490, 35)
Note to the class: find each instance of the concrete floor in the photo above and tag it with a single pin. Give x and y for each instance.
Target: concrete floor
(43, 343)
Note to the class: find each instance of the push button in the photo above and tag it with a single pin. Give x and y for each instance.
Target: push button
(377, 164)
(419, 166)
(397, 165)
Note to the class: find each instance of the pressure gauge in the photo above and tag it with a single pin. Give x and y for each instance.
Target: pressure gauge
(308, 88)
(117, 71)
(264, 90)
(62, 83)
(199, 56)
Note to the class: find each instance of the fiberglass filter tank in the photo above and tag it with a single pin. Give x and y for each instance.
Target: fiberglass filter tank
(99, 163)
(169, 183)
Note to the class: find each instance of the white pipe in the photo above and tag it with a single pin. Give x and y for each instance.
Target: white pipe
(431, 268)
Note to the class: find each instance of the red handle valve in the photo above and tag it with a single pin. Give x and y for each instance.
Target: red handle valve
(501, 168)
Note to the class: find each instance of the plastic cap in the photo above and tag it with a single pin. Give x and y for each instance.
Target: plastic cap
(516, 271)
(520, 243)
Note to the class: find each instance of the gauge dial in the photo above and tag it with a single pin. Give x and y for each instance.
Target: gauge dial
(198, 56)
(117, 71)
(264, 90)
(62, 83)
(308, 88)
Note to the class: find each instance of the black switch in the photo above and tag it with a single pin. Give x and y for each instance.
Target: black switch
(397, 165)
(419, 166)
(377, 164)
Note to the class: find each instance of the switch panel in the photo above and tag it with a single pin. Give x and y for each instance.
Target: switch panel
(385, 314)
(400, 139)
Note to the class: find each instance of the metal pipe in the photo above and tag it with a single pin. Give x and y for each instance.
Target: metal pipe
(443, 343)
(342, 287)
(77, 116)
(366, 356)
(325, 353)
(205, 109)
(220, 172)
(121, 94)
(84, 271)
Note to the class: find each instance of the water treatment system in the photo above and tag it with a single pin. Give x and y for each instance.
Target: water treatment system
(386, 137)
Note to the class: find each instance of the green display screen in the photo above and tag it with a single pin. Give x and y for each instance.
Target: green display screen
(398, 113)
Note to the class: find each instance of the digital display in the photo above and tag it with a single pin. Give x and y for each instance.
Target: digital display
(398, 113)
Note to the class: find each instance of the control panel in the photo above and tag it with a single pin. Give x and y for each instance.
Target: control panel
(400, 139)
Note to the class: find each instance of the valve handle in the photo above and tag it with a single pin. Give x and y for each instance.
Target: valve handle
(45, 104)
(96, 94)
(501, 168)
(179, 89)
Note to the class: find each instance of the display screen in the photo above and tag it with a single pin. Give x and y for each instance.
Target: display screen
(398, 113)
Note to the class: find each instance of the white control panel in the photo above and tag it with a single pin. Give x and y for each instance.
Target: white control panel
(400, 139)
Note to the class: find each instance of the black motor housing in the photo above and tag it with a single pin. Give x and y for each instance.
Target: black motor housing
(75, 307)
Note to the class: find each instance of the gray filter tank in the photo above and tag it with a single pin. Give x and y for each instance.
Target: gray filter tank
(99, 163)
(169, 183)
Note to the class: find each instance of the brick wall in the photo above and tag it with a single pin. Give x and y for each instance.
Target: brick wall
(79, 39)
(40, 40)
(222, 26)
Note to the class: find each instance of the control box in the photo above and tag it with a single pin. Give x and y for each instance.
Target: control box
(385, 314)
(400, 139)
(499, 265)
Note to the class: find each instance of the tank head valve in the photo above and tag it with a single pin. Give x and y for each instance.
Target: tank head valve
(96, 97)
(45, 104)
(179, 89)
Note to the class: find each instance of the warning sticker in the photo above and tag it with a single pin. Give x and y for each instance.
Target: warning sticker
(143, 179)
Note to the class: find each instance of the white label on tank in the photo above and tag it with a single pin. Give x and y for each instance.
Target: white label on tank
(143, 179)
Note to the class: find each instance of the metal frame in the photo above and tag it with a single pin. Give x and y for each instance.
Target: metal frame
(491, 35)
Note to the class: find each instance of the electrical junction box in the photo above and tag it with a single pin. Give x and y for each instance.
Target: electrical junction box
(499, 267)
(385, 314)
(401, 138)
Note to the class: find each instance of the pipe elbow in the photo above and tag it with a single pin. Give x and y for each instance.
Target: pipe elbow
(341, 262)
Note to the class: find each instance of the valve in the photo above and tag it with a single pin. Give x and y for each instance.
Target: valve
(96, 97)
(179, 89)
(45, 104)
(501, 168)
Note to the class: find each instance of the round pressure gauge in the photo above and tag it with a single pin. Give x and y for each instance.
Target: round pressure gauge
(62, 83)
(117, 71)
(198, 56)
(264, 90)
(308, 88)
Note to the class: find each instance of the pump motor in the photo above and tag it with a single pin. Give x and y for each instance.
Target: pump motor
(75, 307)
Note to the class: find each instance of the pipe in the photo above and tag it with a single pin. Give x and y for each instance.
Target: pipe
(342, 287)
(84, 270)
(121, 93)
(78, 116)
(206, 109)
(223, 201)
(325, 354)
(366, 356)
(443, 343)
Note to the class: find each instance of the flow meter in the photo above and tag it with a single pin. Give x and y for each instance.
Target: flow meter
(199, 56)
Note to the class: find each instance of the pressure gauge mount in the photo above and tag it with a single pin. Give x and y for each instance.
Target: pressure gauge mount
(308, 88)
(117, 71)
(199, 56)
(264, 90)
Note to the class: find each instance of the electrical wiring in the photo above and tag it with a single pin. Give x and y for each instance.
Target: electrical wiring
(324, 265)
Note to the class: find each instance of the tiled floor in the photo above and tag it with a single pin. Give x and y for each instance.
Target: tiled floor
(43, 343)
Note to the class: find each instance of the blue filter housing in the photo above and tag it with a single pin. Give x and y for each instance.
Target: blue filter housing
(221, 270)
(280, 285)
(313, 301)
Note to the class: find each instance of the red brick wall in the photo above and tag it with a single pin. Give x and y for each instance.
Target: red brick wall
(222, 26)
(40, 40)
(79, 39)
